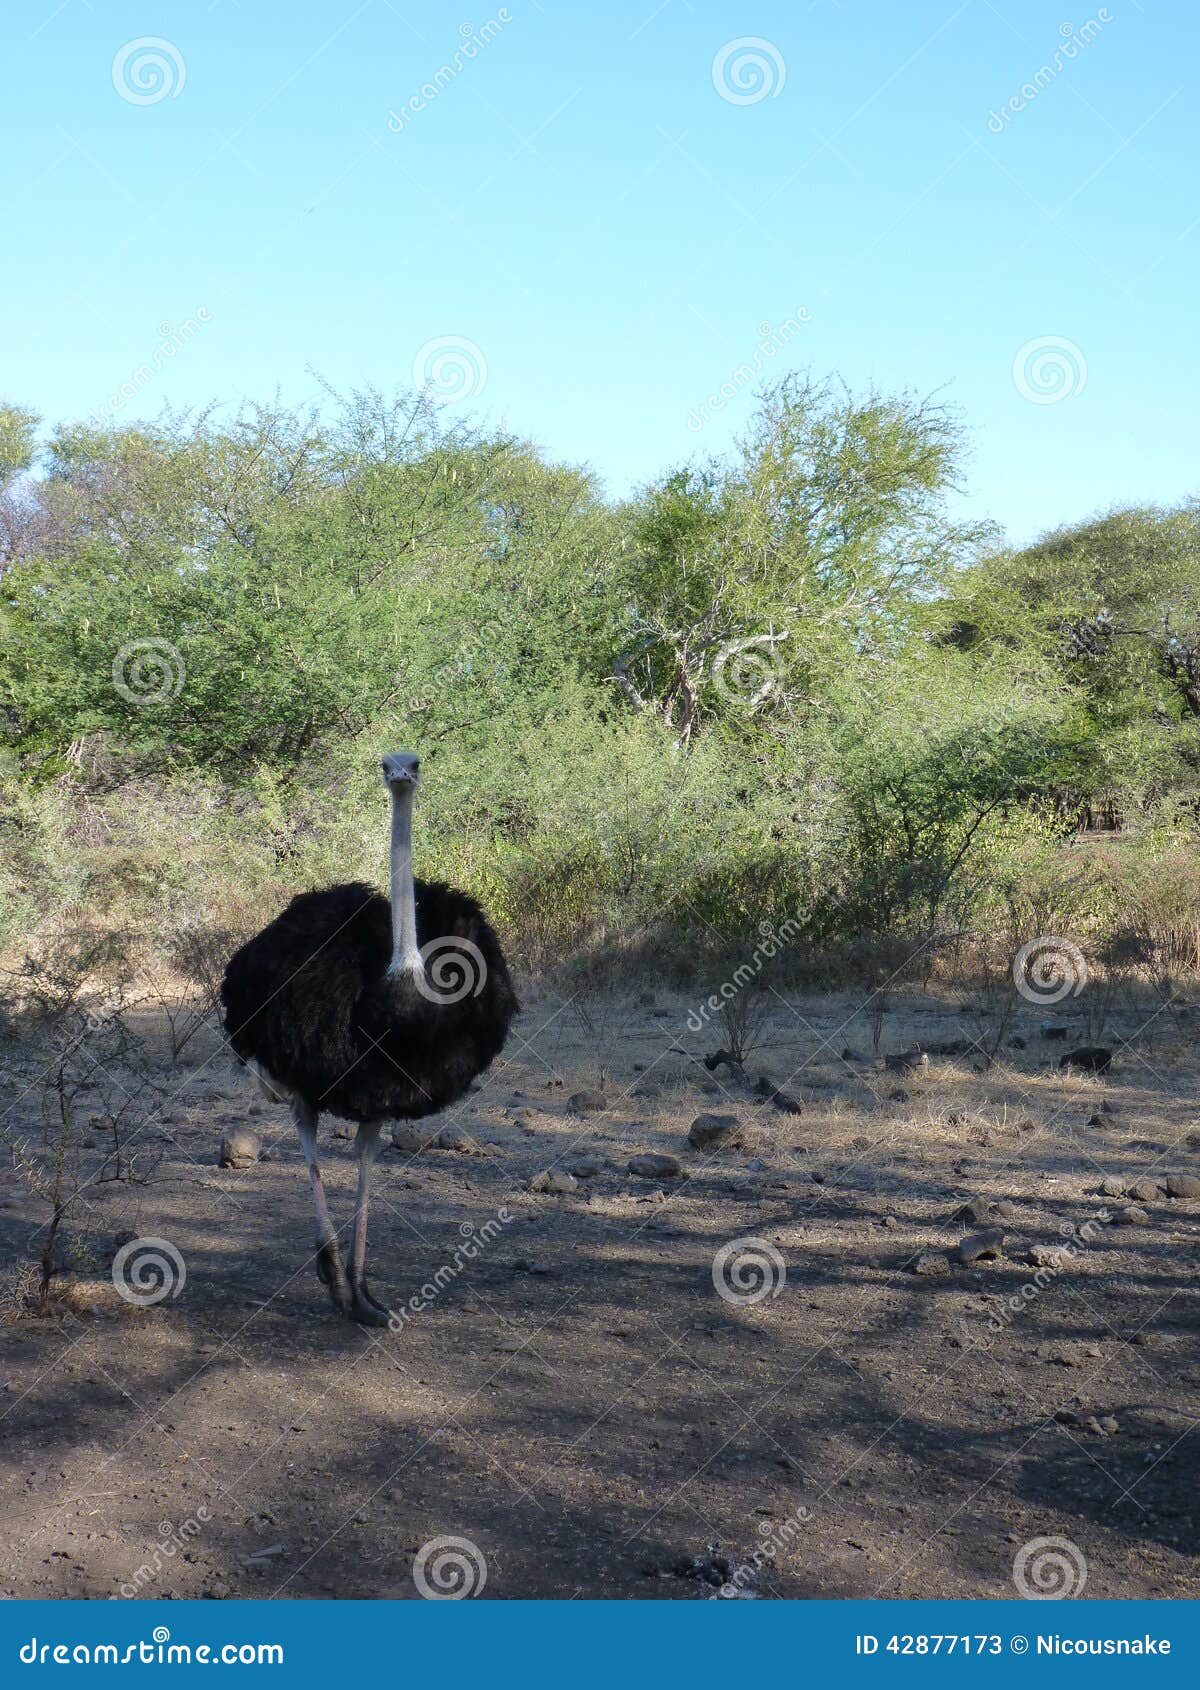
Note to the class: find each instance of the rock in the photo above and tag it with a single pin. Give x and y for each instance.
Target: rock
(983, 1246)
(930, 1263)
(457, 1138)
(1131, 1215)
(344, 1129)
(240, 1149)
(1146, 1191)
(655, 1166)
(218, 1590)
(1182, 1185)
(711, 1132)
(411, 1138)
(977, 1212)
(1110, 1424)
(1112, 1187)
(849, 1055)
(889, 1221)
(1092, 1059)
(586, 1102)
(554, 1180)
(898, 1096)
(1016, 1042)
(1053, 1029)
(586, 1166)
(524, 1265)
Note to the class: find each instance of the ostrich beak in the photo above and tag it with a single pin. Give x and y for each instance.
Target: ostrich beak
(401, 770)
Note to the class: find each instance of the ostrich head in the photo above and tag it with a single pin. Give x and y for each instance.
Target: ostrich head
(401, 773)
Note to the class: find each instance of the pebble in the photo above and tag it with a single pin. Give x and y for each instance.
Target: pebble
(1145, 1191)
(1045, 1255)
(586, 1102)
(930, 1263)
(1182, 1185)
(1091, 1059)
(1112, 1187)
(457, 1138)
(652, 1165)
(1131, 1215)
(977, 1212)
(586, 1166)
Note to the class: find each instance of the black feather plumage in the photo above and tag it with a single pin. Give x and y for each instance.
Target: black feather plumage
(309, 999)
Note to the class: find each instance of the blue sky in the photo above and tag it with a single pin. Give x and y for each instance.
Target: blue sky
(583, 236)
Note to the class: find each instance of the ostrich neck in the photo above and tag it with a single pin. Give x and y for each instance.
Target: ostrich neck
(406, 958)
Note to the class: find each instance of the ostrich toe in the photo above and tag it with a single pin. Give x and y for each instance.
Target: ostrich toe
(366, 1309)
(332, 1274)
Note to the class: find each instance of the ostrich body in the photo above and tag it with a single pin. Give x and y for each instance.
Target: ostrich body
(371, 1011)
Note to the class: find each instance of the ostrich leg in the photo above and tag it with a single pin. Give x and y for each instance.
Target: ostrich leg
(329, 1259)
(364, 1307)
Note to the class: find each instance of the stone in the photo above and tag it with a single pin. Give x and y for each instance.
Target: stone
(652, 1165)
(1091, 1059)
(983, 1246)
(344, 1129)
(898, 1096)
(411, 1139)
(1045, 1255)
(457, 1138)
(555, 1180)
(1016, 1042)
(710, 1132)
(849, 1055)
(1131, 1215)
(1054, 1029)
(930, 1264)
(1145, 1191)
(1182, 1185)
(906, 1062)
(240, 1149)
(1112, 1187)
(586, 1102)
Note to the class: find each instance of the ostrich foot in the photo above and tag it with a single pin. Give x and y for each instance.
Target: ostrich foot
(366, 1309)
(333, 1275)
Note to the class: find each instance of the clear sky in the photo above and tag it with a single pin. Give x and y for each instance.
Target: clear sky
(583, 224)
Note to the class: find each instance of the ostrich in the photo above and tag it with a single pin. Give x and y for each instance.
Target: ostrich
(370, 1013)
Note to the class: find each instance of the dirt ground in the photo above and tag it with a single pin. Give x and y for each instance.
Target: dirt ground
(579, 1401)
